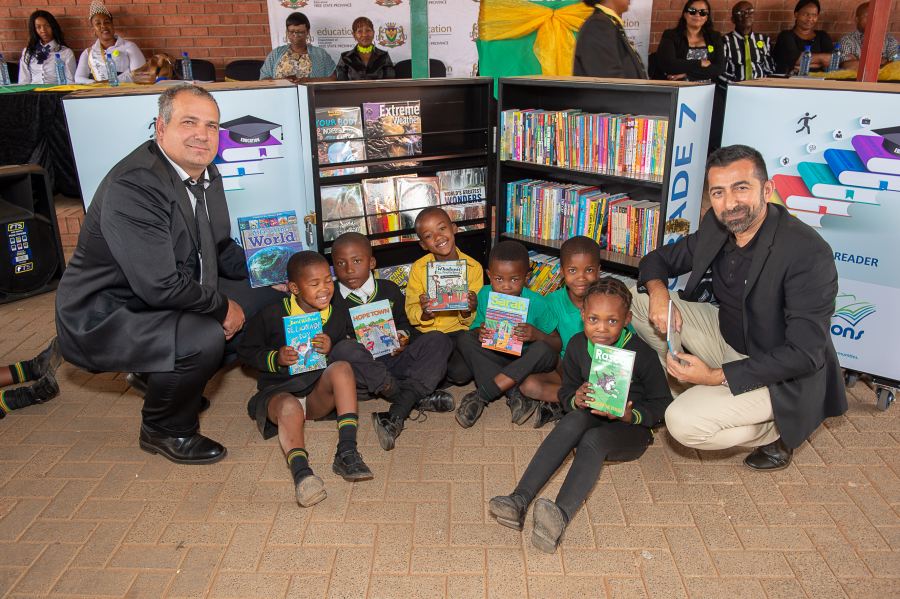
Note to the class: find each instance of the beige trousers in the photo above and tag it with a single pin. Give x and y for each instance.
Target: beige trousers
(707, 417)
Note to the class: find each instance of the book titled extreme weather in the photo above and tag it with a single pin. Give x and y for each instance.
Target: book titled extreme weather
(447, 285)
(503, 313)
(374, 327)
(299, 331)
(269, 241)
(393, 129)
(610, 379)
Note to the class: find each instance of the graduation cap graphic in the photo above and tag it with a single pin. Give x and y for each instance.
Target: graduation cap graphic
(891, 137)
(249, 130)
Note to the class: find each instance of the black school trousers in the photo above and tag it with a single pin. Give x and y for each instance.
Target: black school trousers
(485, 363)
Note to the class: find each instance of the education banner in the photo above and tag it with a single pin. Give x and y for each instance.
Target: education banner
(834, 155)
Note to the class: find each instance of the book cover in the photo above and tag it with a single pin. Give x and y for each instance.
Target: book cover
(849, 170)
(339, 151)
(822, 183)
(381, 204)
(503, 313)
(341, 201)
(462, 186)
(340, 122)
(796, 196)
(610, 379)
(448, 285)
(391, 129)
(269, 241)
(334, 229)
(299, 331)
(873, 154)
(398, 274)
(374, 327)
(417, 192)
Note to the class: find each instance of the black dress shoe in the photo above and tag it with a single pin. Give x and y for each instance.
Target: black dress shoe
(195, 449)
(774, 456)
(547, 412)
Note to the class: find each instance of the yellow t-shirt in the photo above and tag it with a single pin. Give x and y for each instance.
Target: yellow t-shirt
(446, 322)
(296, 310)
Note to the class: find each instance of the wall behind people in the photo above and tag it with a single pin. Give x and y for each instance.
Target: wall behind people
(224, 31)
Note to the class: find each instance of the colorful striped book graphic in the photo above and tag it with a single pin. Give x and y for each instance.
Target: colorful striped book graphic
(802, 204)
(874, 156)
(849, 170)
(822, 183)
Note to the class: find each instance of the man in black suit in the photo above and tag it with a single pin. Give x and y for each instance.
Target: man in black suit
(143, 290)
(762, 367)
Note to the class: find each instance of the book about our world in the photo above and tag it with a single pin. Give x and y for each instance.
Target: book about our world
(374, 327)
(502, 315)
(447, 285)
(299, 331)
(269, 241)
(610, 379)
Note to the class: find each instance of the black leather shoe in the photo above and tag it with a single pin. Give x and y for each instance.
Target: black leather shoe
(195, 449)
(549, 525)
(470, 408)
(439, 401)
(137, 381)
(521, 407)
(48, 360)
(547, 412)
(350, 466)
(387, 429)
(774, 456)
(509, 510)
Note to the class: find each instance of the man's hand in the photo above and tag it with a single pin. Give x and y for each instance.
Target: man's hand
(485, 334)
(287, 356)
(705, 63)
(658, 310)
(425, 302)
(525, 332)
(322, 343)
(234, 319)
(625, 417)
(581, 396)
(687, 368)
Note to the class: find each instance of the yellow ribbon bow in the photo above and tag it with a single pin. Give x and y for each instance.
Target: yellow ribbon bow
(554, 46)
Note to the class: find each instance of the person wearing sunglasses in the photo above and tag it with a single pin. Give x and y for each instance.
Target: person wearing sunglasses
(790, 43)
(748, 54)
(603, 48)
(692, 51)
(298, 61)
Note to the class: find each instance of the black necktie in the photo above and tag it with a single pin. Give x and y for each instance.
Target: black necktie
(209, 271)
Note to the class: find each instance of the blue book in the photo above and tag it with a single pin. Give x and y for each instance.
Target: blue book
(849, 170)
(269, 241)
(299, 331)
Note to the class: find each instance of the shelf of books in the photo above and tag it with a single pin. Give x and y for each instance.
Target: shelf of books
(620, 161)
(384, 150)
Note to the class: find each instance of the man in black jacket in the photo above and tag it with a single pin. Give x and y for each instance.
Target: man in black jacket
(603, 48)
(763, 370)
(143, 290)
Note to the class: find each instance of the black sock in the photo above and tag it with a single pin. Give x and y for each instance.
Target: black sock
(298, 462)
(489, 391)
(22, 371)
(404, 403)
(347, 426)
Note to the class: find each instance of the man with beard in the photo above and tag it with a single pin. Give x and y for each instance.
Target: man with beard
(761, 368)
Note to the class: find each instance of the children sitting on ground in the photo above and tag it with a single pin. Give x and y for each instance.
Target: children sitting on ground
(284, 401)
(595, 436)
(579, 259)
(437, 236)
(496, 373)
(41, 368)
(408, 377)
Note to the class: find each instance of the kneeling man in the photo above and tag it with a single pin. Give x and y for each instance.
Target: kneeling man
(761, 366)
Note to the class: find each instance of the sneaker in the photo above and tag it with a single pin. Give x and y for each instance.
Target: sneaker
(521, 407)
(45, 389)
(549, 525)
(48, 360)
(547, 412)
(310, 490)
(350, 466)
(387, 429)
(439, 401)
(509, 510)
(470, 408)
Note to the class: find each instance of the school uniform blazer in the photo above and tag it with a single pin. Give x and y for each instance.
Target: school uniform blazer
(788, 302)
(136, 269)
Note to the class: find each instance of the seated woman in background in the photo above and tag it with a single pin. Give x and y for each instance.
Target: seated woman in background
(92, 63)
(603, 49)
(790, 43)
(45, 41)
(364, 61)
(693, 50)
(297, 61)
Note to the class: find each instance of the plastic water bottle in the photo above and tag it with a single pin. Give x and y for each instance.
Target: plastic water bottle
(112, 73)
(805, 59)
(187, 71)
(835, 64)
(60, 70)
(4, 72)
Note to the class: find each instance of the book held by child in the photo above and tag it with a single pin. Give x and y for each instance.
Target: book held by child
(299, 331)
(447, 285)
(610, 378)
(269, 241)
(502, 315)
(374, 327)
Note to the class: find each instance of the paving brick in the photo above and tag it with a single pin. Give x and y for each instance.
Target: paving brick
(466, 586)
(19, 517)
(733, 588)
(660, 575)
(195, 574)
(751, 563)
(626, 588)
(102, 544)
(307, 587)
(782, 588)
(249, 584)
(689, 552)
(46, 570)
(813, 574)
(350, 575)
(393, 549)
(149, 585)
(82, 581)
(409, 587)
(446, 560)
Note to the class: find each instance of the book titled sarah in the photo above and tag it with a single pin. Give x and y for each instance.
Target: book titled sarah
(374, 327)
(269, 241)
(610, 379)
(502, 315)
(448, 285)
(299, 331)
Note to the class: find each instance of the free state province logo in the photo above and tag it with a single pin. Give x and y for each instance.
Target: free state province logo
(388, 3)
(391, 35)
(292, 4)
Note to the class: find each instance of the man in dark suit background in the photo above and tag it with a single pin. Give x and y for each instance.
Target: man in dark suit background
(143, 290)
(762, 368)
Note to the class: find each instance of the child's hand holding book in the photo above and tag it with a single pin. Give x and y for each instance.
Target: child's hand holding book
(582, 397)
(287, 356)
(485, 334)
(426, 303)
(525, 332)
(473, 304)
(322, 343)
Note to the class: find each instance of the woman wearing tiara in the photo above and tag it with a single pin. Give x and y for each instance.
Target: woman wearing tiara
(364, 61)
(45, 41)
(125, 54)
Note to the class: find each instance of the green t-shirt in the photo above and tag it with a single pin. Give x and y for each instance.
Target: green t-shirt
(538, 314)
(566, 317)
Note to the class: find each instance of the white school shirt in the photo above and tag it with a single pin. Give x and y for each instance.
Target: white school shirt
(32, 72)
(92, 63)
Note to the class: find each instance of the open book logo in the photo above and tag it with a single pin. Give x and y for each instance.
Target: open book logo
(851, 311)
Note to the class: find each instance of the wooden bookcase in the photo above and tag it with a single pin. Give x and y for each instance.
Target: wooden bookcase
(456, 133)
(688, 108)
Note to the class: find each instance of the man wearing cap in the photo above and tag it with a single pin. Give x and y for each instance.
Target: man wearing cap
(143, 291)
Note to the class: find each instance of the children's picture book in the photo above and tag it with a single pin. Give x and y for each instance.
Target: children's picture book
(398, 274)
(393, 129)
(341, 201)
(269, 241)
(299, 331)
(374, 327)
(462, 186)
(339, 122)
(502, 315)
(334, 229)
(447, 285)
(610, 379)
(417, 192)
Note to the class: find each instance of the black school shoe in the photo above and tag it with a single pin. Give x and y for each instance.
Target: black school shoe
(387, 429)
(547, 412)
(521, 407)
(349, 465)
(470, 408)
(549, 525)
(439, 401)
(194, 449)
(46, 388)
(48, 360)
(774, 456)
(509, 510)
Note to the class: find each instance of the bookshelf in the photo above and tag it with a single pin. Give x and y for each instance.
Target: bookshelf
(677, 186)
(456, 121)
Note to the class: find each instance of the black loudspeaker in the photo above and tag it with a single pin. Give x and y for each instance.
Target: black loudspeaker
(31, 257)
